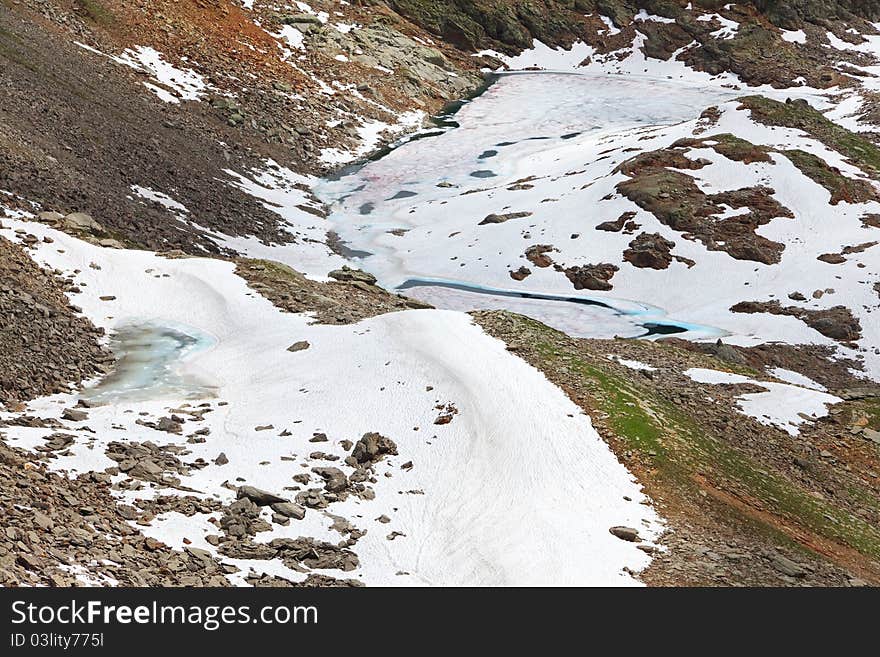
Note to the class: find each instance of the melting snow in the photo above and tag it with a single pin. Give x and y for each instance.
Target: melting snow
(169, 83)
(183, 84)
(292, 36)
(633, 364)
(782, 405)
(796, 378)
(794, 36)
(159, 197)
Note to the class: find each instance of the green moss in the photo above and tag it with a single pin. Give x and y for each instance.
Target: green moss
(871, 408)
(740, 150)
(97, 12)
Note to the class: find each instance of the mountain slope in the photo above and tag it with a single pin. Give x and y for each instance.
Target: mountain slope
(201, 183)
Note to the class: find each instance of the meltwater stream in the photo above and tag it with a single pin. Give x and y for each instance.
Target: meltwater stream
(388, 214)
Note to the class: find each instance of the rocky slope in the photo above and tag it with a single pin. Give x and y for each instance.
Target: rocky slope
(45, 346)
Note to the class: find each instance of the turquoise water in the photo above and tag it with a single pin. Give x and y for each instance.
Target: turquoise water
(578, 315)
(149, 365)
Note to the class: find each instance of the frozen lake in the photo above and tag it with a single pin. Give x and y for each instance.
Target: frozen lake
(396, 211)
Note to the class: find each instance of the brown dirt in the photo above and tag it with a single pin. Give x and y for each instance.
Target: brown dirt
(335, 302)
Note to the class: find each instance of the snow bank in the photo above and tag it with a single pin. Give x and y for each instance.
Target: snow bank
(517, 489)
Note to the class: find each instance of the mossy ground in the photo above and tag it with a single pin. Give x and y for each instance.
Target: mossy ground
(97, 12)
(681, 450)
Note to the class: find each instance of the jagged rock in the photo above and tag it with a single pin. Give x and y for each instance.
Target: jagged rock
(299, 346)
(300, 19)
(837, 323)
(312, 498)
(346, 274)
(727, 353)
(617, 225)
(787, 566)
(58, 521)
(147, 470)
(74, 415)
(501, 218)
(832, 258)
(649, 251)
(520, 274)
(372, 447)
(625, 533)
(334, 479)
(258, 496)
(82, 222)
(51, 218)
(289, 509)
(58, 441)
(591, 277)
(314, 554)
(537, 255)
(169, 425)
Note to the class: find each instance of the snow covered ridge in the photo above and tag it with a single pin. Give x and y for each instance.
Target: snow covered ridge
(498, 478)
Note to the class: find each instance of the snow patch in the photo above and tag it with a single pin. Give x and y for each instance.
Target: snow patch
(794, 36)
(170, 83)
(782, 405)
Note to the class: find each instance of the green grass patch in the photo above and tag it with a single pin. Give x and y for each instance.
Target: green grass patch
(97, 12)
(871, 408)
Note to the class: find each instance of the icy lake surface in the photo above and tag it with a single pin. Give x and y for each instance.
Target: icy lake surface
(521, 117)
(149, 366)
